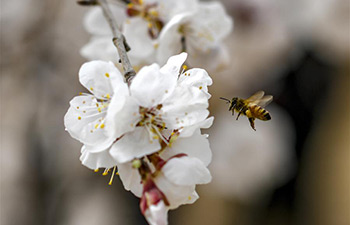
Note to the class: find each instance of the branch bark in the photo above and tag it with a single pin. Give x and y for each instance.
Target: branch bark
(118, 38)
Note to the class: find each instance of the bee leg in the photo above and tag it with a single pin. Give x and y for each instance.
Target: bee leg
(251, 120)
(240, 112)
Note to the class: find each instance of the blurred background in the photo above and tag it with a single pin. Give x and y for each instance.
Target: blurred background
(294, 170)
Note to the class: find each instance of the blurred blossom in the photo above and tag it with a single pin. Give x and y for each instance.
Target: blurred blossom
(256, 161)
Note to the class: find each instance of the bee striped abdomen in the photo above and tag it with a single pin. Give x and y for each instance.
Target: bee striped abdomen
(260, 113)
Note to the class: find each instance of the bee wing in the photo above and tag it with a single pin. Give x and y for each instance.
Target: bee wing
(264, 101)
(258, 95)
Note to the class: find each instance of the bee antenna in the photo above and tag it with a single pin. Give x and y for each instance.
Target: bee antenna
(227, 100)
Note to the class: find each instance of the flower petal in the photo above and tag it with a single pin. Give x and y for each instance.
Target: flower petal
(131, 178)
(134, 144)
(101, 78)
(84, 120)
(170, 38)
(157, 214)
(190, 130)
(176, 194)
(196, 146)
(186, 171)
(150, 87)
(101, 48)
(186, 106)
(196, 78)
(141, 48)
(174, 63)
(95, 160)
(122, 115)
(95, 22)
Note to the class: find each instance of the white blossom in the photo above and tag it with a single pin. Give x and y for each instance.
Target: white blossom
(127, 123)
(200, 32)
(141, 23)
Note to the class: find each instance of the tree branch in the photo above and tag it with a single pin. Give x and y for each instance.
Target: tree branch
(118, 38)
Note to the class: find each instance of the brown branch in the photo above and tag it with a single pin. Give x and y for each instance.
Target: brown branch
(118, 38)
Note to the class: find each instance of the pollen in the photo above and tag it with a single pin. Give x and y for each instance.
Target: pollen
(96, 170)
(80, 93)
(77, 107)
(184, 67)
(107, 74)
(149, 25)
(200, 87)
(99, 109)
(91, 88)
(189, 197)
(108, 96)
(155, 137)
(96, 126)
(102, 126)
(79, 118)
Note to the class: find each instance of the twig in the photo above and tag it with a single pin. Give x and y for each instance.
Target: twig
(118, 38)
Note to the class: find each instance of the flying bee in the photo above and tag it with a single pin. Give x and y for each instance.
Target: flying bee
(251, 107)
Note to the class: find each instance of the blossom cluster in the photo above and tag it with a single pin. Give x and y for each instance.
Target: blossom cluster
(148, 132)
(158, 29)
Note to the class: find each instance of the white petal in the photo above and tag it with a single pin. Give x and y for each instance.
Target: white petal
(85, 122)
(185, 107)
(101, 78)
(197, 78)
(101, 48)
(157, 214)
(169, 8)
(176, 194)
(170, 38)
(134, 144)
(150, 87)
(95, 22)
(95, 160)
(122, 116)
(174, 63)
(139, 40)
(195, 146)
(190, 130)
(131, 178)
(209, 25)
(186, 171)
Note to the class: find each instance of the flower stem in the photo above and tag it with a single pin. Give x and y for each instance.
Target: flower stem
(118, 38)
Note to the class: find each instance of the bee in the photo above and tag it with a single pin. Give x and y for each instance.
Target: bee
(251, 107)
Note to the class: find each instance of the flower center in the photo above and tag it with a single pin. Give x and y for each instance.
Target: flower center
(151, 119)
(149, 13)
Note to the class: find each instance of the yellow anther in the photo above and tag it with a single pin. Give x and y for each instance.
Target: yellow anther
(184, 67)
(91, 88)
(155, 137)
(79, 118)
(189, 197)
(107, 74)
(96, 170)
(99, 109)
(200, 87)
(154, 13)
(97, 105)
(77, 107)
(80, 93)
(96, 126)
(155, 45)
(105, 173)
(102, 126)
(108, 96)
(130, 5)
(149, 25)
